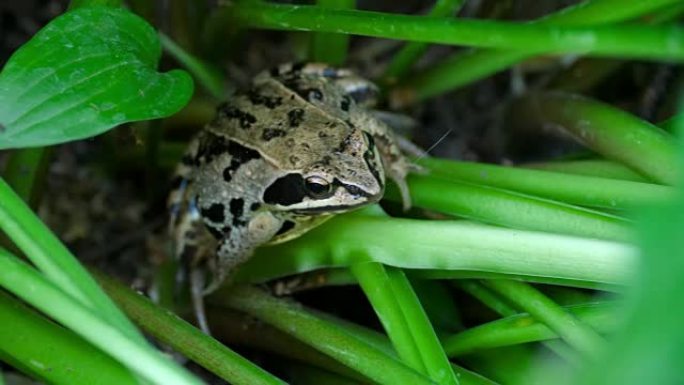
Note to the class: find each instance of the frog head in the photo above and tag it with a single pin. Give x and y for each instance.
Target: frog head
(349, 177)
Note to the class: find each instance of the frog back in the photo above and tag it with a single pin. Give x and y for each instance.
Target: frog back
(290, 124)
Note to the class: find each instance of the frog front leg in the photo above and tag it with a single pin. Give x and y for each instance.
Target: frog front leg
(210, 254)
(396, 164)
(238, 244)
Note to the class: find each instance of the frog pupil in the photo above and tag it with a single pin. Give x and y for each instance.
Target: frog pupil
(318, 190)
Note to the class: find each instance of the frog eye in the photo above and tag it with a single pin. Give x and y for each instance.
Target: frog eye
(317, 187)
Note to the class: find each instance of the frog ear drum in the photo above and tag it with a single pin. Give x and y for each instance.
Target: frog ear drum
(318, 188)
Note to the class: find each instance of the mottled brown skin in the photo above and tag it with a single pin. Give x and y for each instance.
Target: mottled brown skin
(279, 158)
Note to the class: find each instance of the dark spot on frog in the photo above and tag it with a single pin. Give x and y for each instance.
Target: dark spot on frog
(297, 67)
(188, 160)
(290, 142)
(228, 172)
(322, 134)
(210, 147)
(237, 207)
(226, 110)
(239, 156)
(214, 213)
(369, 158)
(217, 233)
(255, 206)
(258, 98)
(295, 117)
(294, 159)
(285, 227)
(270, 133)
(344, 144)
(286, 190)
(306, 93)
(241, 153)
(344, 104)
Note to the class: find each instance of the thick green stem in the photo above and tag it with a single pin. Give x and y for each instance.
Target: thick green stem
(611, 132)
(574, 189)
(323, 336)
(68, 360)
(136, 354)
(404, 59)
(523, 328)
(543, 309)
(43, 248)
(25, 172)
(465, 68)
(404, 319)
(186, 339)
(663, 42)
(511, 209)
(331, 48)
(450, 246)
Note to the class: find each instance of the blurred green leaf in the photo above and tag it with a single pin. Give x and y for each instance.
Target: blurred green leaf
(84, 73)
(650, 348)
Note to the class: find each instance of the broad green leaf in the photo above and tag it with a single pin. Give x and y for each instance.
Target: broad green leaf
(84, 73)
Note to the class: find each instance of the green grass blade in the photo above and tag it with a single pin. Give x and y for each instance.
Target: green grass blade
(464, 68)
(611, 132)
(210, 78)
(45, 251)
(322, 335)
(187, 339)
(574, 189)
(331, 48)
(502, 307)
(68, 360)
(523, 328)
(504, 208)
(136, 355)
(405, 322)
(527, 298)
(25, 171)
(646, 42)
(590, 167)
(404, 59)
(456, 246)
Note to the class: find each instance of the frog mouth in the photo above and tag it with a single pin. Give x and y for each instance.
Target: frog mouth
(330, 209)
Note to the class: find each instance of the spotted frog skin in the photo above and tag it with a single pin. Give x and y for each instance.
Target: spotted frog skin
(298, 146)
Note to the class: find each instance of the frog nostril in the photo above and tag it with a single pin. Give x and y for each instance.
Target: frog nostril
(354, 190)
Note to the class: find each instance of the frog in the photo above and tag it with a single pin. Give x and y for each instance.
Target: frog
(297, 146)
